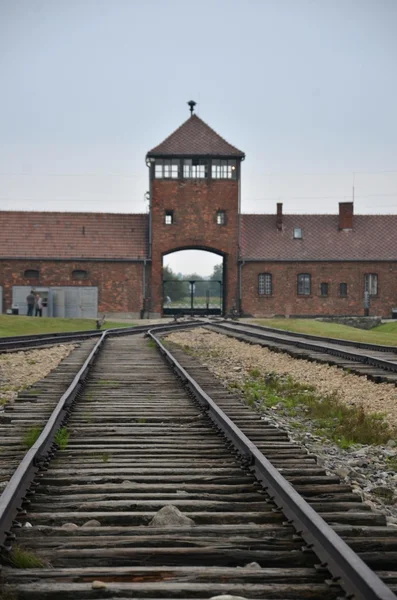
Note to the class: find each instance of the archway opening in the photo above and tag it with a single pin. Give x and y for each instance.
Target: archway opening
(193, 282)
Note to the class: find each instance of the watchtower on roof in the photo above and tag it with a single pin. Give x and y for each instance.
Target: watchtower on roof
(195, 200)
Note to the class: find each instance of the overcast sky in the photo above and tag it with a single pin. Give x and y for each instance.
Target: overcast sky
(306, 88)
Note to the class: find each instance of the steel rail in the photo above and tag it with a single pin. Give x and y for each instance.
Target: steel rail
(352, 356)
(319, 338)
(346, 567)
(40, 453)
(21, 342)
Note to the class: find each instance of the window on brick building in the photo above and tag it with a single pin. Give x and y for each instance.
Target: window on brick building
(304, 284)
(298, 233)
(324, 289)
(265, 284)
(343, 289)
(31, 274)
(166, 168)
(224, 169)
(195, 168)
(221, 217)
(169, 217)
(79, 274)
(371, 284)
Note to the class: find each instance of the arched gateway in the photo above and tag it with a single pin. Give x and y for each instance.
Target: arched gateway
(195, 202)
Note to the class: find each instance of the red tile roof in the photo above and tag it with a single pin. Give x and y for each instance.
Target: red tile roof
(72, 235)
(195, 138)
(373, 237)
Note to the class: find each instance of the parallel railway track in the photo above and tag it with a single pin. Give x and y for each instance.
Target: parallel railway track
(374, 361)
(142, 441)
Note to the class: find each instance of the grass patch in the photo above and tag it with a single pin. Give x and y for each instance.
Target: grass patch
(105, 457)
(108, 382)
(385, 334)
(151, 343)
(62, 438)
(31, 435)
(345, 425)
(22, 325)
(7, 596)
(20, 558)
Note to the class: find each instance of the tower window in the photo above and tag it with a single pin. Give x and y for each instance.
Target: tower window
(265, 286)
(298, 234)
(224, 169)
(195, 168)
(166, 168)
(343, 289)
(371, 284)
(169, 217)
(304, 284)
(221, 217)
(324, 289)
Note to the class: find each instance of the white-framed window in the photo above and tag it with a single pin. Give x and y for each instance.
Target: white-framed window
(304, 284)
(224, 169)
(169, 217)
(221, 217)
(195, 168)
(298, 233)
(371, 284)
(166, 168)
(265, 284)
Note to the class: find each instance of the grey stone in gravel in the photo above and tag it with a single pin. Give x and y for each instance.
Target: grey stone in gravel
(253, 565)
(342, 472)
(92, 523)
(98, 585)
(170, 516)
(227, 597)
(391, 444)
(69, 526)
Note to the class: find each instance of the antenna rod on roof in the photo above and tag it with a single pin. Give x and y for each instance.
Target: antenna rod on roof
(192, 104)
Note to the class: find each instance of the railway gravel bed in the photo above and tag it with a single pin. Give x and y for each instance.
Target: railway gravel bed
(367, 469)
(46, 373)
(148, 500)
(378, 365)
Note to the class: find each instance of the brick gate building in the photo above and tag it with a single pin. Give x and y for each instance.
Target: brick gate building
(274, 264)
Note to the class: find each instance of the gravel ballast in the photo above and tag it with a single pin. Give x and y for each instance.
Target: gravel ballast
(366, 468)
(19, 370)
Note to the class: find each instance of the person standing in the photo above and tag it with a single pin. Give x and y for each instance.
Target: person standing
(30, 299)
(38, 306)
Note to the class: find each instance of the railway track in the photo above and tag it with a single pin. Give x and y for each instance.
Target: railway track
(376, 362)
(25, 342)
(144, 443)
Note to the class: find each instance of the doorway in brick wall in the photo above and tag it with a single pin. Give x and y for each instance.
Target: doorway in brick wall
(193, 282)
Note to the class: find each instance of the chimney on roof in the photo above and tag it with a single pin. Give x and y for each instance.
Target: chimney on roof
(279, 217)
(345, 215)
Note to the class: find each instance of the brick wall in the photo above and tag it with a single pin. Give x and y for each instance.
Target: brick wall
(285, 300)
(195, 205)
(120, 284)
